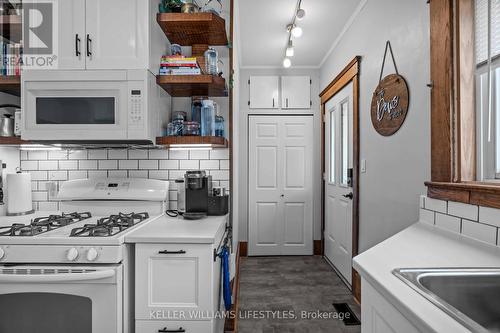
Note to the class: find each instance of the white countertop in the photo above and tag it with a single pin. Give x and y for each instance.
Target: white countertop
(422, 246)
(167, 229)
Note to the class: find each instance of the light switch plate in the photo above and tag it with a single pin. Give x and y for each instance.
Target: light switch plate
(363, 166)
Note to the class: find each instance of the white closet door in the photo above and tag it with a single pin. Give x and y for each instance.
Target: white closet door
(280, 185)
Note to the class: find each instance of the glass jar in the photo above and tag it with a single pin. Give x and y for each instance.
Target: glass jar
(179, 115)
(219, 126)
(196, 104)
(191, 128)
(178, 127)
(208, 118)
(170, 129)
(211, 61)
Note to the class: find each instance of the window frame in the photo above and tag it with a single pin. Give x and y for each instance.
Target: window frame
(453, 107)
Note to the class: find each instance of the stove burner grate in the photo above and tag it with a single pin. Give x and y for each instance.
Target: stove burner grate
(40, 225)
(109, 226)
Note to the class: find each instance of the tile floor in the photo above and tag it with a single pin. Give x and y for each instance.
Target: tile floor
(292, 285)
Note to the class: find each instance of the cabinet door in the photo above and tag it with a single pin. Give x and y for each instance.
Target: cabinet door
(296, 92)
(116, 34)
(172, 277)
(71, 34)
(264, 92)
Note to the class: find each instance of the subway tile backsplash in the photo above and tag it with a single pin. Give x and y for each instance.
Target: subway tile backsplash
(54, 167)
(480, 223)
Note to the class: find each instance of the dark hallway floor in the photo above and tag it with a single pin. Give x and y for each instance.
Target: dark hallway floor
(291, 285)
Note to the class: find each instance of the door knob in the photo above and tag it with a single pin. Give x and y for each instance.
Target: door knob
(349, 196)
(282, 195)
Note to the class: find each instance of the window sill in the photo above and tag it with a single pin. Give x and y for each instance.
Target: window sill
(474, 193)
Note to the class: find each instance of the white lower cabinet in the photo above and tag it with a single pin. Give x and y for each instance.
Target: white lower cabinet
(380, 316)
(177, 288)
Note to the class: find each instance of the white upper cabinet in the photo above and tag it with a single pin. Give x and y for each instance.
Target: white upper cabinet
(116, 34)
(296, 92)
(109, 34)
(264, 92)
(71, 37)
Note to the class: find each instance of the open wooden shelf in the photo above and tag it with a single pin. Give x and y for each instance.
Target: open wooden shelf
(12, 141)
(192, 85)
(10, 85)
(11, 27)
(197, 28)
(215, 141)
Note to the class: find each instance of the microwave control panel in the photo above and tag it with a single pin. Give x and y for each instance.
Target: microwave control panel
(136, 115)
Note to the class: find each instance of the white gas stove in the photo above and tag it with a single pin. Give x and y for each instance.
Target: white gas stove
(76, 258)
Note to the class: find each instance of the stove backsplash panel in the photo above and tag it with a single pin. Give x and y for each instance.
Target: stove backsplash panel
(49, 168)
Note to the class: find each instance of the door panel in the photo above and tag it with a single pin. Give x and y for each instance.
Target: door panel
(115, 28)
(296, 92)
(280, 185)
(71, 34)
(339, 159)
(264, 92)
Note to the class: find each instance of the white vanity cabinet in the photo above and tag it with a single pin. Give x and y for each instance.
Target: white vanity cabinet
(177, 289)
(380, 316)
(109, 34)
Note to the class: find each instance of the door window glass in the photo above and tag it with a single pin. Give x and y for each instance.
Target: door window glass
(75, 110)
(45, 312)
(332, 146)
(344, 145)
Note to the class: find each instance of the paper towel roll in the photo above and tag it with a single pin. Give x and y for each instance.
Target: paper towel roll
(18, 194)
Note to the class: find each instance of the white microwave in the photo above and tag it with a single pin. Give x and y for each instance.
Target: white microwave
(120, 106)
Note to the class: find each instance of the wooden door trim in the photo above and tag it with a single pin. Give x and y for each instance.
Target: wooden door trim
(349, 74)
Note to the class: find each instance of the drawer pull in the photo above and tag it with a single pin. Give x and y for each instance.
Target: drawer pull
(172, 252)
(166, 330)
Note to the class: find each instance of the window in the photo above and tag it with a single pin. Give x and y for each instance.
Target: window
(345, 143)
(332, 146)
(487, 56)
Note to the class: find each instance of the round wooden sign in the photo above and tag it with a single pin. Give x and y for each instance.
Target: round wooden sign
(390, 103)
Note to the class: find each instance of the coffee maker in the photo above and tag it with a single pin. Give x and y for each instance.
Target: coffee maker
(198, 187)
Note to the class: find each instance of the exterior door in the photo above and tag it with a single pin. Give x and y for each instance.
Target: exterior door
(338, 182)
(115, 29)
(280, 185)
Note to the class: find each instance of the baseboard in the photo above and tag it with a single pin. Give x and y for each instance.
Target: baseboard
(231, 324)
(244, 249)
(318, 247)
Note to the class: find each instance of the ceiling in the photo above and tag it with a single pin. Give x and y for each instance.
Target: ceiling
(264, 37)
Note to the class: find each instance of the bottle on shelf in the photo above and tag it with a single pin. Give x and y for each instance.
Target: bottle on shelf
(219, 123)
(208, 118)
(211, 61)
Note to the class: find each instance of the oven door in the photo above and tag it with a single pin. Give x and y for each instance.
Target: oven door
(75, 110)
(61, 299)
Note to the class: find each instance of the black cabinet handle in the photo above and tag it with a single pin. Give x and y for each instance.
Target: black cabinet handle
(273, 102)
(77, 45)
(89, 43)
(287, 102)
(172, 252)
(166, 330)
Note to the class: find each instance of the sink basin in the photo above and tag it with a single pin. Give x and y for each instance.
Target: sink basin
(471, 296)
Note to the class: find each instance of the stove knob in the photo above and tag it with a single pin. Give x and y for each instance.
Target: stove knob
(92, 254)
(72, 254)
(2, 253)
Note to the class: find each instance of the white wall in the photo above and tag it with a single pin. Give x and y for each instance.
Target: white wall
(236, 120)
(242, 134)
(397, 166)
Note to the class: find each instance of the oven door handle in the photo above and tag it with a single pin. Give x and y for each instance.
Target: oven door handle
(62, 277)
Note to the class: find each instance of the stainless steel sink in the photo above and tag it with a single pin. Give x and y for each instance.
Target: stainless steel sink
(471, 296)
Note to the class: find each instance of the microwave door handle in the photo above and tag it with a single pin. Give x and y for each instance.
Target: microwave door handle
(62, 277)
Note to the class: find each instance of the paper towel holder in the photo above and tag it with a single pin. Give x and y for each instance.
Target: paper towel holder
(27, 212)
